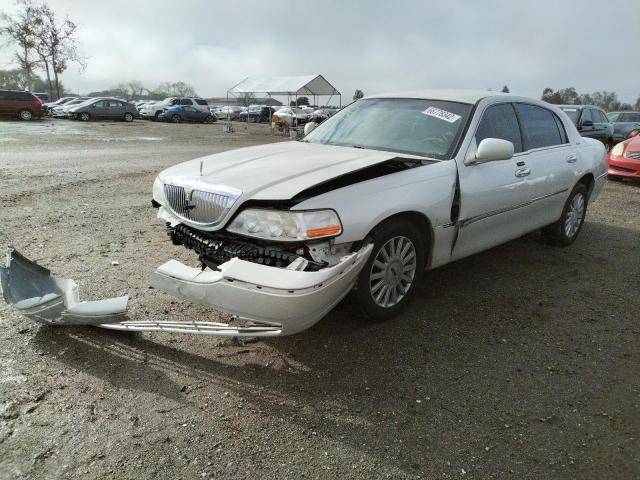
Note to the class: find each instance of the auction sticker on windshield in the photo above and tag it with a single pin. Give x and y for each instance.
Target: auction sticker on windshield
(441, 114)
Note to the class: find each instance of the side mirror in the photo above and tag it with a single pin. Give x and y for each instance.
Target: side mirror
(491, 149)
(310, 127)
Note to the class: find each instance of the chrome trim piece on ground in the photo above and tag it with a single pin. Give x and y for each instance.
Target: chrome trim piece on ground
(482, 216)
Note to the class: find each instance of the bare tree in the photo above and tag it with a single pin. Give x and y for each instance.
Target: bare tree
(136, 89)
(43, 41)
(505, 89)
(57, 43)
(21, 31)
(358, 95)
(177, 89)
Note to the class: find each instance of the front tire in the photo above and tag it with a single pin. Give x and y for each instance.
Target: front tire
(565, 231)
(395, 266)
(85, 117)
(25, 115)
(176, 119)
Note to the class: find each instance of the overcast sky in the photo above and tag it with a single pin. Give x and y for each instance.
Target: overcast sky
(374, 46)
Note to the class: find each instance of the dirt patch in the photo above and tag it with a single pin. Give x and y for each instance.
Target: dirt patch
(520, 362)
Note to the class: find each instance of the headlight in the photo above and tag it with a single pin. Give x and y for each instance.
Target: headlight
(158, 191)
(618, 149)
(286, 226)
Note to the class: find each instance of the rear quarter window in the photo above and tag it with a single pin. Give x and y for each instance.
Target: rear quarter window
(201, 102)
(539, 127)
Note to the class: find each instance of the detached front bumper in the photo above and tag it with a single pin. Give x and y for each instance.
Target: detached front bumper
(290, 300)
(267, 301)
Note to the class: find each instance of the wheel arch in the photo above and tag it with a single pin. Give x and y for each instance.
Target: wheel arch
(588, 181)
(421, 221)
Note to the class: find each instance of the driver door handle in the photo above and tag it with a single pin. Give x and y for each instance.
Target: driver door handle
(572, 159)
(523, 172)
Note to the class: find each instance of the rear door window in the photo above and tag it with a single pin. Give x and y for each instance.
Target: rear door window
(186, 101)
(539, 127)
(500, 121)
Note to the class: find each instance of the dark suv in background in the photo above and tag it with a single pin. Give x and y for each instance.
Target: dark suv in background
(591, 122)
(17, 103)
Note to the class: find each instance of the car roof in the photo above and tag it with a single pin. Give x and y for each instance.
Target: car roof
(579, 106)
(462, 96)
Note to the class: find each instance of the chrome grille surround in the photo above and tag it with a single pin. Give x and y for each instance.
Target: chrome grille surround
(634, 155)
(198, 207)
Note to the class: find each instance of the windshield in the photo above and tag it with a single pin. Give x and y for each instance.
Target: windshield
(572, 113)
(412, 126)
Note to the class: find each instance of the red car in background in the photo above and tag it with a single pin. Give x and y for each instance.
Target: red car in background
(624, 159)
(21, 104)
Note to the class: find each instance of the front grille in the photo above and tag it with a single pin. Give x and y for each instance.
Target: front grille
(634, 155)
(204, 208)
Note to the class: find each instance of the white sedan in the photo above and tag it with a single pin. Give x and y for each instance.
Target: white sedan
(387, 188)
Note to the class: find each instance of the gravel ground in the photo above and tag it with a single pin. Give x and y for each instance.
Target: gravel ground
(520, 362)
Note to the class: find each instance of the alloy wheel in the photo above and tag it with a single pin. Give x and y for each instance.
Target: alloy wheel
(575, 215)
(392, 271)
(26, 115)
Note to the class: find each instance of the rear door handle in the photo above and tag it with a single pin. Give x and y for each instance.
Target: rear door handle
(572, 159)
(523, 172)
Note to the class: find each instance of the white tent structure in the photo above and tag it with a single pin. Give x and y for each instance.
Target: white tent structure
(306, 85)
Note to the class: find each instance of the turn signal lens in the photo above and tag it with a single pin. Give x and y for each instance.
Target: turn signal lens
(323, 232)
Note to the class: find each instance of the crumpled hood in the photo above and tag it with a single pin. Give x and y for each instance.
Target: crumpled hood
(276, 171)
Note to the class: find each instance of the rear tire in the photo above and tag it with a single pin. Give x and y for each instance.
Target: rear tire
(25, 115)
(128, 117)
(389, 277)
(565, 231)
